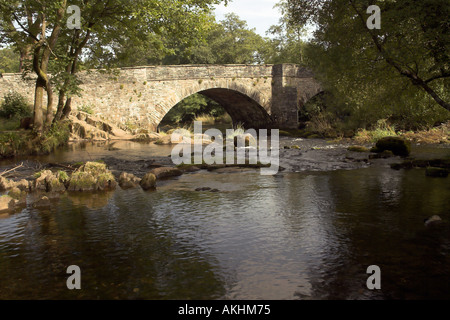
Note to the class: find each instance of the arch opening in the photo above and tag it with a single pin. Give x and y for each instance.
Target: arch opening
(242, 109)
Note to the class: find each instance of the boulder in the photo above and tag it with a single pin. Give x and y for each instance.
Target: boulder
(7, 204)
(42, 203)
(128, 181)
(148, 182)
(178, 136)
(398, 146)
(48, 181)
(92, 176)
(42, 179)
(57, 182)
(23, 185)
(82, 181)
(166, 172)
(5, 184)
(18, 195)
(433, 221)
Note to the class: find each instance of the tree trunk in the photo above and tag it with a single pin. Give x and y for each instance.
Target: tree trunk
(38, 122)
(49, 115)
(67, 109)
(59, 110)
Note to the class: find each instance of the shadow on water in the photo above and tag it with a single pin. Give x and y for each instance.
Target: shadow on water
(121, 249)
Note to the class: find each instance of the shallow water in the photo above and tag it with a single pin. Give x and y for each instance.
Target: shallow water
(290, 236)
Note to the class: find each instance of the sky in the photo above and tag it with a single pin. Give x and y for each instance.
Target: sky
(259, 14)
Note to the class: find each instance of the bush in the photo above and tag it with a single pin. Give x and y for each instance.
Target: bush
(57, 136)
(15, 106)
(87, 109)
(12, 143)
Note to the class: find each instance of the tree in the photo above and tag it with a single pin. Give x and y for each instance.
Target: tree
(36, 26)
(405, 64)
(287, 43)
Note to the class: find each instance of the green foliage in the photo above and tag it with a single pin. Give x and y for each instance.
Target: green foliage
(191, 107)
(286, 44)
(230, 41)
(63, 177)
(397, 73)
(86, 108)
(9, 61)
(14, 106)
(9, 124)
(55, 137)
(12, 143)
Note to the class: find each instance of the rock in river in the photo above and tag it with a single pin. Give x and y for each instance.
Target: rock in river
(128, 181)
(148, 182)
(7, 204)
(93, 176)
(398, 146)
(166, 172)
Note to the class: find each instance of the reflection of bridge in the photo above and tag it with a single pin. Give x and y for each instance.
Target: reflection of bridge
(256, 95)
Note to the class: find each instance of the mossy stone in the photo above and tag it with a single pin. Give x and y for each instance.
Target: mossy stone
(398, 146)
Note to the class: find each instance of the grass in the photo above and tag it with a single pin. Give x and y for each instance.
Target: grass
(435, 135)
(381, 130)
(14, 143)
(22, 142)
(206, 119)
(439, 134)
(9, 124)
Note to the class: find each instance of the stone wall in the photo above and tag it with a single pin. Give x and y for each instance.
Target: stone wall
(256, 95)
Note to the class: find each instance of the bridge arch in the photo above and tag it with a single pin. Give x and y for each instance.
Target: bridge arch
(245, 105)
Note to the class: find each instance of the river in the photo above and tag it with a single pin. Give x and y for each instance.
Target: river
(296, 235)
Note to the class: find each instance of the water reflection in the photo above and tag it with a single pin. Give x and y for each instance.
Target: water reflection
(292, 236)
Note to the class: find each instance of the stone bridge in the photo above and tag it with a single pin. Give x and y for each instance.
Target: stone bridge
(258, 96)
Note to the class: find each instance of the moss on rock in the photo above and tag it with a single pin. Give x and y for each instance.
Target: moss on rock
(92, 176)
(148, 182)
(398, 146)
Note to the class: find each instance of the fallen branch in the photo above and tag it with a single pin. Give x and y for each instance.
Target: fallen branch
(11, 170)
(61, 166)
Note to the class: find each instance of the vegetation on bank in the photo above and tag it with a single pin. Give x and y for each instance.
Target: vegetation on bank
(17, 141)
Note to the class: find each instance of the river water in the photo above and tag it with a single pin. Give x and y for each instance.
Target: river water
(304, 235)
